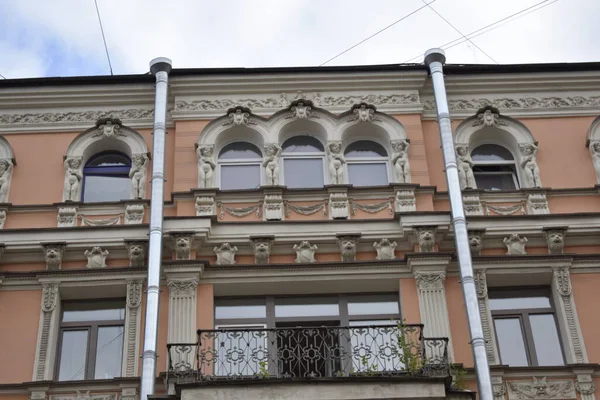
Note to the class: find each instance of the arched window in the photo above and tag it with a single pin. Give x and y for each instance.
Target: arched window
(494, 168)
(367, 163)
(239, 166)
(303, 162)
(106, 177)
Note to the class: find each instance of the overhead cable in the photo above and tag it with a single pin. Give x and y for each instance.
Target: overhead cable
(377, 33)
(103, 37)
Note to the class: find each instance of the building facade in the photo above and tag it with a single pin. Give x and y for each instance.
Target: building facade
(307, 251)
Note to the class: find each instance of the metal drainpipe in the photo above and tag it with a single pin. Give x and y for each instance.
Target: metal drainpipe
(160, 67)
(435, 59)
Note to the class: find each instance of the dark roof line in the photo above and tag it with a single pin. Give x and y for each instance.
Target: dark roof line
(450, 69)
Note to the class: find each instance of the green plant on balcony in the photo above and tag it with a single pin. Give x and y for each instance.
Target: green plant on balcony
(407, 352)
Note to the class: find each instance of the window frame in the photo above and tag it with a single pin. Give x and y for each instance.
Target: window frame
(368, 160)
(499, 163)
(305, 155)
(92, 328)
(523, 315)
(105, 171)
(240, 162)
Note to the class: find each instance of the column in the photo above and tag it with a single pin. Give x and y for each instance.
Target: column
(486, 317)
(47, 332)
(131, 347)
(567, 316)
(430, 274)
(585, 383)
(182, 319)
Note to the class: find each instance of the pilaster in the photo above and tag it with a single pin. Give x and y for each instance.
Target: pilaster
(47, 332)
(585, 383)
(133, 316)
(182, 314)
(430, 274)
(568, 320)
(486, 317)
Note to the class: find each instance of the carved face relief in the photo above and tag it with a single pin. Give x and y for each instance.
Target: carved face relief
(53, 257)
(138, 160)
(335, 147)
(475, 243)
(239, 117)
(262, 251)
(399, 145)
(347, 248)
(461, 150)
(426, 239)
(3, 166)
(136, 251)
(206, 151)
(596, 147)
(555, 240)
(183, 247)
(74, 163)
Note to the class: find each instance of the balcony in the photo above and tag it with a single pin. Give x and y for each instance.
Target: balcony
(324, 353)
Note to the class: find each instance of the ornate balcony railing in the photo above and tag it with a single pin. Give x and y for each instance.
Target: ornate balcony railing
(308, 353)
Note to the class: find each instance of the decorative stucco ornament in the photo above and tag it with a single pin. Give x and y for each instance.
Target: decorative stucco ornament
(271, 163)
(529, 164)
(301, 109)
(137, 253)
(348, 246)
(476, 242)
(206, 166)
(385, 249)
(336, 163)
(363, 112)
(6, 170)
(108, 127)
(464, 165)
(400, 160)
(225, 254)
(305, 252)
(53, 254)
(595, 153)
(238, 116)
(183, 246)
(73, 177)
(137, 173)
(262, 250)
(555, 238)
(134, 214)
(515, 245)
(541, 389)
(426, 238)
(96, 257)
(488, 116)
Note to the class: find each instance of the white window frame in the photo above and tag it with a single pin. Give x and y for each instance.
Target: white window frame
(240, 162)
(367, 160)
(512, 163)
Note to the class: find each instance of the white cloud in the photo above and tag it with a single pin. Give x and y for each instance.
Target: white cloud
(62, 37)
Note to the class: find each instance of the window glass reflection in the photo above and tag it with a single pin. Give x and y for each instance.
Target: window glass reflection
(109, 351)
(510, 342)
(545, 337)
(517, 303)
(303, 172)
(73, 355)
(235, 177)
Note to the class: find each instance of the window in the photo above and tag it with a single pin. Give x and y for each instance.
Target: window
(239, 166)
(525, 326)
(91, 341)
(367, 164)
(303, 162)
(106, 177)
(250, 331)
(494, 168)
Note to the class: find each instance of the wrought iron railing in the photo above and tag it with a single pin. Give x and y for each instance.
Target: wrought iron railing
(309, 353)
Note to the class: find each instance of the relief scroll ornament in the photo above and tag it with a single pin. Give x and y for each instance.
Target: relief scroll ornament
(488, 116)
(6, 169)
(206, 166)
(385, 249)
(238, 116)
(49, 296)
(305, 252)
(96, 257)
(225, 254)
(363, 112)
(301, 109)
(336, 163)
(137, 173)
(464, 165)
(430, 280)
(400, 160)
(271, 163)
(515, 245)
(73, 177)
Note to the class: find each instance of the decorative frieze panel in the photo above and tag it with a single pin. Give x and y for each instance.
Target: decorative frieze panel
(81, 395)
(273, 207)
(498, 388)
(510, 209)
(67, 217)
(541, 389)
(537, 203)
(405, 200)
(239, 212)
(338, 204)
(305, 209)
(134, 214)
(567, 313)
(372, 208)
(205, 204)
(116, 220)
(472, 204)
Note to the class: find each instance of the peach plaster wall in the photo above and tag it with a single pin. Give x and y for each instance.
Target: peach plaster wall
(459, 328)
(186, 161)
(585, 292)
(20, 316)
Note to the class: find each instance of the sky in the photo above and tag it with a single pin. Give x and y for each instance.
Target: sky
(42, 38)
